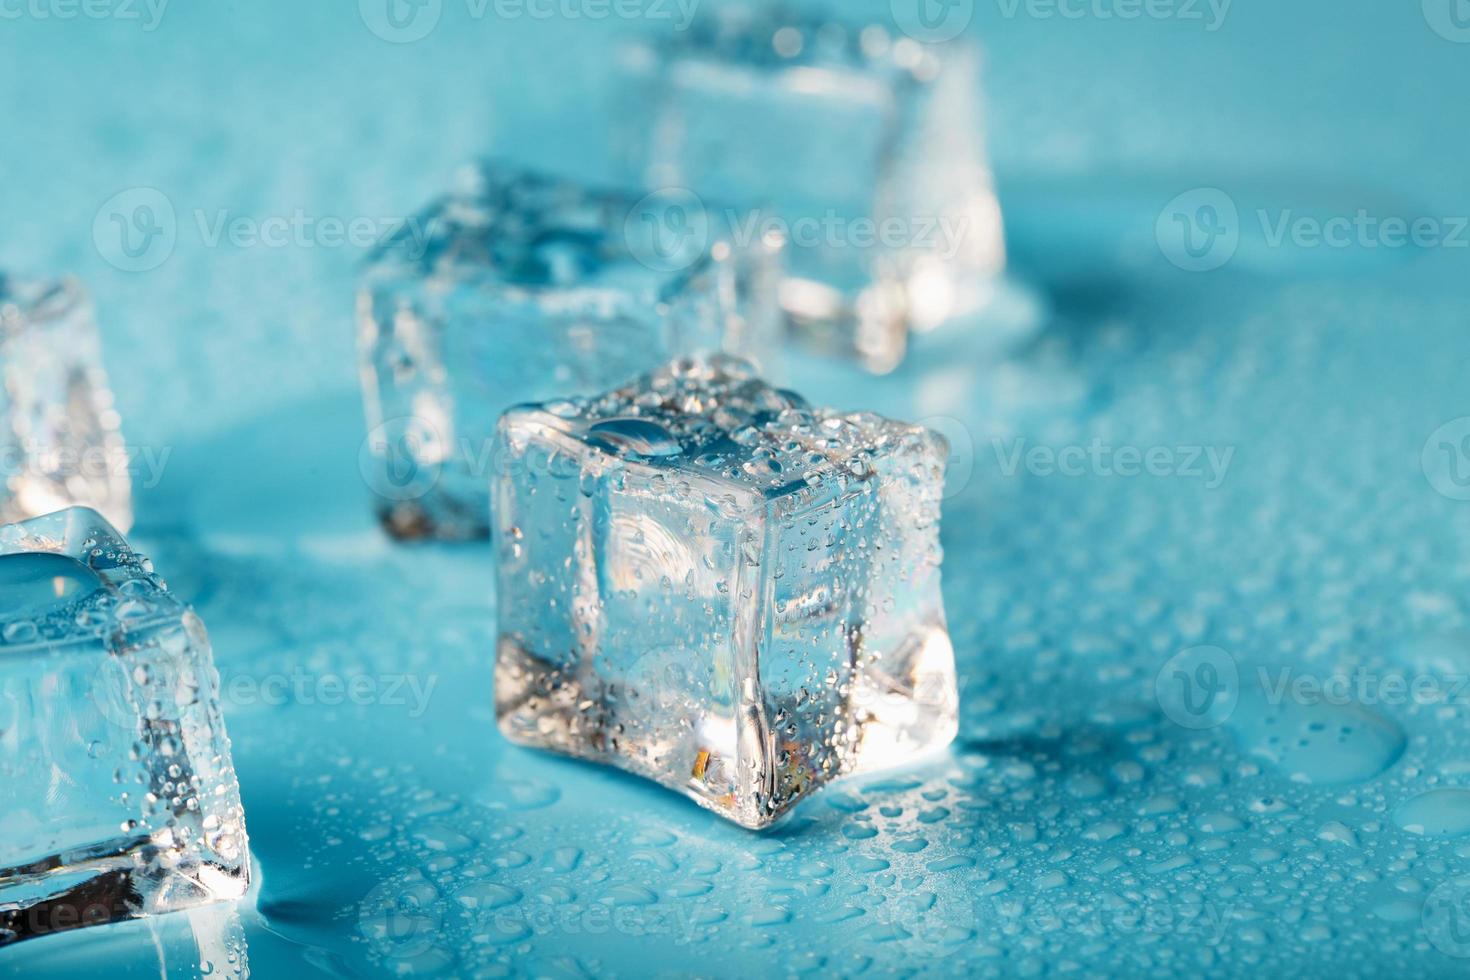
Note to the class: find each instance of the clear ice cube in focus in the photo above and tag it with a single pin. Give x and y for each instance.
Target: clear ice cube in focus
(866, 144)
(707, 582)
(59, 438)
(519, 287)
(120, 799)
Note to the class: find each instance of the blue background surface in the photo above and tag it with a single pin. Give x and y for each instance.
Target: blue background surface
(1076, 826)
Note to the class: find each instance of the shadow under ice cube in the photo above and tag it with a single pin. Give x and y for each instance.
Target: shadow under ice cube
(59, 439)
(120, 799)
(865, 146)
(707, 582)
(519, 287)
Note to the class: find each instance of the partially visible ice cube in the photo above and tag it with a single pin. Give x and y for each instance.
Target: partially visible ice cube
(519, 287)
(868, 146)
(707, 582)
(59, 439)
(119, 798)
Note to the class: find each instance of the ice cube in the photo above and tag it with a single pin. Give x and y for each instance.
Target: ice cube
(58, 430)
(866, 145)
(707, 582)
(120, 799)
(518, 287)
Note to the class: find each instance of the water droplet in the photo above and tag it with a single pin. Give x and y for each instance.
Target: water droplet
(1317, 742)
(1437, 813)
(640, 437)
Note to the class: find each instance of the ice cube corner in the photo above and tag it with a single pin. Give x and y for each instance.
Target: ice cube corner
(518, 286)
(121, 799)
(867, 145)
(59, 432)
(705, 581)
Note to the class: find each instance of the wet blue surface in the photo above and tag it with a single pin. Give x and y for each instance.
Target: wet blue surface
(1297, 550)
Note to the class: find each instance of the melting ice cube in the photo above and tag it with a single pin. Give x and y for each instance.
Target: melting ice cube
(120, 799)
(708, 582)
(520, 287)
(59, 439)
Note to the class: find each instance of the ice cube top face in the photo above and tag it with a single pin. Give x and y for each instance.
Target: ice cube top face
(58, 429)
(521, 287)
(707, 582)
(120, 799)
(868, 148)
